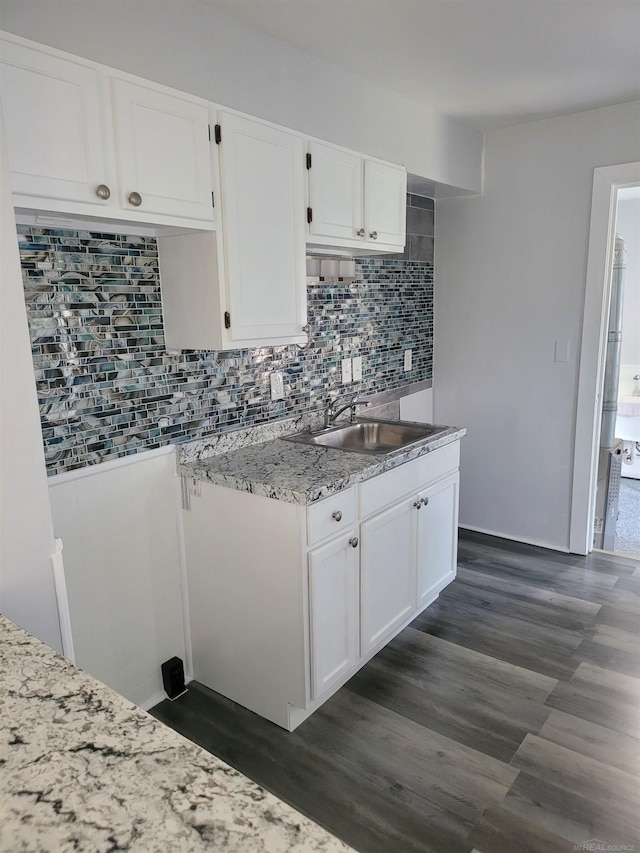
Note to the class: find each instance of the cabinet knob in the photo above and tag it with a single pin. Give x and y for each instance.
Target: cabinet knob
(361, 233)
(417, 504)
(135, 199)
(103, 192)
(354, 542)
(337, 515)
(425, 501)
(374, 235)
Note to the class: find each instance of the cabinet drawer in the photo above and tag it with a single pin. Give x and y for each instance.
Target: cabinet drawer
(332, 515)
(439, 463)
(413, 476)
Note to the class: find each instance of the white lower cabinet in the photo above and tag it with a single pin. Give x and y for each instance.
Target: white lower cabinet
(333, 611)
(388, 580)
(283, 617)
(437, 538)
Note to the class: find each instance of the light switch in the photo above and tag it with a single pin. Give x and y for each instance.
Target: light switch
(346, 370)
(277, 386)
(407, 359)
(356, 368)
(562, 352)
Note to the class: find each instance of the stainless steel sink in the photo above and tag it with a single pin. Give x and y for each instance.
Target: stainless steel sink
(369, 436)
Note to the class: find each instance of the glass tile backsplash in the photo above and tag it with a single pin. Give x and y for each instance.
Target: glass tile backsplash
(107, 387)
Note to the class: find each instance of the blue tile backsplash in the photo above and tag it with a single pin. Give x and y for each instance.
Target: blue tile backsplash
(108, 388)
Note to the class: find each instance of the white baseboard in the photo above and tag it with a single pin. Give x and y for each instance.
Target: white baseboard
(550, 546)
(148, 704)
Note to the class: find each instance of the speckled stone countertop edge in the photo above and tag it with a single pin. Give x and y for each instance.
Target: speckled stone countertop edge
(299, 473)
(84, 769)
(226, 442)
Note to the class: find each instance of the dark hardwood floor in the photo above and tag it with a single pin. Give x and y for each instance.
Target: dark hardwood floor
(505, 719)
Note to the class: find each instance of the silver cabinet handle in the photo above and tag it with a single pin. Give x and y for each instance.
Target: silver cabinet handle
(354, 542)
(374, 235)
(361, 232)
(337, 515)
(135, 199)
(417, 504)
(103, 192)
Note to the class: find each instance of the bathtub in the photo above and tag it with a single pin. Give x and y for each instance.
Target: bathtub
(628, 417)
(628, 429)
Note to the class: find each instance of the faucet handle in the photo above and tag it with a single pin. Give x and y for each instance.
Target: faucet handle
(356, 402)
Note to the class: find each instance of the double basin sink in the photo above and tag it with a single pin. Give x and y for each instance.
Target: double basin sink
(378, 437)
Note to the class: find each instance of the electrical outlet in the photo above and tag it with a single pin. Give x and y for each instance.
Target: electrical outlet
(407, 359)
(277, 386)
(346, 370)
(356, 368)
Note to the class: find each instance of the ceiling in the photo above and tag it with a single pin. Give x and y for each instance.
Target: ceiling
(489, 63)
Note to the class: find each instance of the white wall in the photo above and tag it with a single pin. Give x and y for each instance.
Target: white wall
(628, 227)
(27, 594)
(119, 524)
(510, 272)
(197, 49)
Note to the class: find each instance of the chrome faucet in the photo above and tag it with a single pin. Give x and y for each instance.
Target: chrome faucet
(330, 414)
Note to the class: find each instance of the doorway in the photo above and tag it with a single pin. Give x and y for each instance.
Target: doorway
(627, 426)
(607, 183)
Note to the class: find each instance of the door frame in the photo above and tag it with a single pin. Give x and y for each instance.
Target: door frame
(607, 180)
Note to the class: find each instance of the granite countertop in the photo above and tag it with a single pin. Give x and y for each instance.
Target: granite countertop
(290, 471)
(83, 769)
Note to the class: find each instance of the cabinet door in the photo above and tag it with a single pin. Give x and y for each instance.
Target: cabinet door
(333, 611)
(335, 192)
(437, 538)
(387, 573)
(54, 127)
(385, 196)
(262, 184)
(162, 151)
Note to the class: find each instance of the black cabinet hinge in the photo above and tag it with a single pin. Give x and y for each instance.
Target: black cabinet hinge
(309, 215)
(308, 159)
(218, 134)
(227, 320)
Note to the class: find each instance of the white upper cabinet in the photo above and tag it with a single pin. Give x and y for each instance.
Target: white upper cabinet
(85, 140)
(247, 280)
(335, 192)
(385, 210)
(262, 188)
(57, 136)
(356, 203)
(162, 151)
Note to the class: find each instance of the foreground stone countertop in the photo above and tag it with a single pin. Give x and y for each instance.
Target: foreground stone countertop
(290, 471)
(82, 769)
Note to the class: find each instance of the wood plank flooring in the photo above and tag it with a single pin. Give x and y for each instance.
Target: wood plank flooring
(505, 719)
